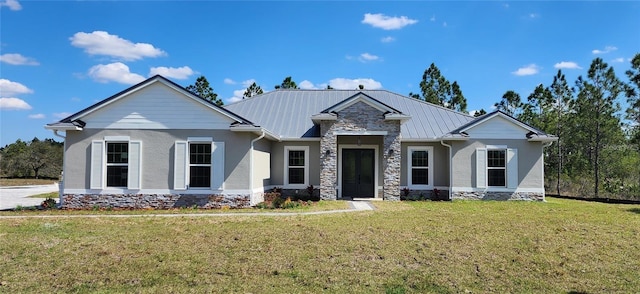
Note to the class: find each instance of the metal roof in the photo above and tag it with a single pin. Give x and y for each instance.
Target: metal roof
(288, 112)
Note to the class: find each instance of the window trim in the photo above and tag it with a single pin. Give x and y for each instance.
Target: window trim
(107, 164)
(286, 167)
(198, 140)
(505, 167)
(429, 168)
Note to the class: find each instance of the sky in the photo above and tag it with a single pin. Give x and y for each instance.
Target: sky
(59, 57)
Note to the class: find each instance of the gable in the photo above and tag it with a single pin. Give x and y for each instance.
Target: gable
(156, 106)
(497, 127)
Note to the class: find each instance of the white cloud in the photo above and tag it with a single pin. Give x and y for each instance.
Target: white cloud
(528, 70)
(14, 104)
(433, 18)
(534, 15)
(229, 81)
(103, 43)
(352, 84)
(237, 96)
(607, 49)
(306, 85)
(384, 22)
(387, 39)
(12, 4)
(114, 72)
(17, 59)
(37, 116)
(179, 73)
(248, 83)
(364, 57)
(618, 60)
(9, 88)
(567, 65)
(62, 115)
(444, 24)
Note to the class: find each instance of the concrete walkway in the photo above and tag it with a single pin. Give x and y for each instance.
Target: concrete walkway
(11, 197)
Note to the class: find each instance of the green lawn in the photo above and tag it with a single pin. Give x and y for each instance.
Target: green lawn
(413, 247)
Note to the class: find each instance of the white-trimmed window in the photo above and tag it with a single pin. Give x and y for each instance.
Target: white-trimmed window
(420, 167)
(497, 167)
(198, 164)
(296, 165)
(116, 162)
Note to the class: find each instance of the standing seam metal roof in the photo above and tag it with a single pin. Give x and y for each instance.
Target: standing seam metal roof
(288, 112)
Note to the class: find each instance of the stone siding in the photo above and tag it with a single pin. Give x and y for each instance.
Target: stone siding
(532, 196)
(154, 201)
(360, 117)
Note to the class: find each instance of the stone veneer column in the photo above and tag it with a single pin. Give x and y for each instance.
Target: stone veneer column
(391, 162)
(328, 162)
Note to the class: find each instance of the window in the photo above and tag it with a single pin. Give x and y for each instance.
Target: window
(419, 164)
(497, 168)
(200, 165)
(296, 166)
(117, 164)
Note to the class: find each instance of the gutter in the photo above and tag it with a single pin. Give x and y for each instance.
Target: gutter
(450, 169)
(61, 183)
(262, 135)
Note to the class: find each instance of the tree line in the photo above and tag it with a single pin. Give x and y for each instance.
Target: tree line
(31, 159)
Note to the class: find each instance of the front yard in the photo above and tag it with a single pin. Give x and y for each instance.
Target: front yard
(412, 247)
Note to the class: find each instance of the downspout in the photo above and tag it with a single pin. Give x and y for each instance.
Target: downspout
(61, 183)
(450, 169)
(251, 162)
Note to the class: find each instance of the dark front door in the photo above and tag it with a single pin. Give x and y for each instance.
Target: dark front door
(357, 172)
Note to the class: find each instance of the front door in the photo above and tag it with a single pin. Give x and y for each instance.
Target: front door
(358, 173)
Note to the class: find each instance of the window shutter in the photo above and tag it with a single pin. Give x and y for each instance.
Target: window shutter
(481, 168)
(512, 168)
(97, 165)
(180, 166)
(217, 166)
(135, 165)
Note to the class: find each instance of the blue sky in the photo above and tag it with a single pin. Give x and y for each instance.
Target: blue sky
(59, 57)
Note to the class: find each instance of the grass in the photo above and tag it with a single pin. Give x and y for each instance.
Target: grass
(53, 195)
(409, 247)
(25, 182)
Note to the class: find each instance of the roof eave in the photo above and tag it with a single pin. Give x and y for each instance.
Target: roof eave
(396, 116)
(254, 129)
(543, 139)
(63, 127)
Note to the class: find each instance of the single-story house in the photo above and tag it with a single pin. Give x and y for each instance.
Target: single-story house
(158, 145)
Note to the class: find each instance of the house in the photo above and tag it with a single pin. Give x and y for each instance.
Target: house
(156, 144)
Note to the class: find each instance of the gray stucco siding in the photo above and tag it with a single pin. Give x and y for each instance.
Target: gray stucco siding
(440, 166)
(530, 164)
(261, 163)
(277, 161)
(157, 155)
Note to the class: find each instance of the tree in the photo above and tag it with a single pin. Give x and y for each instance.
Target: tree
(438, 90)
(510, 103)
(596, 109)
(287, 83)
(480, 112)
(435, 88)
(360, 87)
(204, 90)
(457, 101)
(561, 96)
(252, 90)
(632, 91)
(32, 159)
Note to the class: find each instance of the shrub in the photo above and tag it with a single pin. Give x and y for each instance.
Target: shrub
(48, 203)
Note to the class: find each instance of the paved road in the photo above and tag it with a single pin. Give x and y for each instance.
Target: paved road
(10, 197)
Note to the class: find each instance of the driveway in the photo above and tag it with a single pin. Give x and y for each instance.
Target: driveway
(10, 197)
